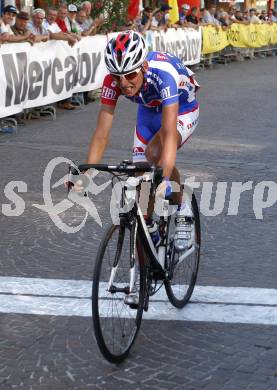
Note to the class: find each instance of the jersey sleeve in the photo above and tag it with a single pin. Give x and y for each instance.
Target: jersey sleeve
(110, 91)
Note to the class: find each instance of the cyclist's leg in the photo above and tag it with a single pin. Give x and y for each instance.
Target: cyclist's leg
(187, 122)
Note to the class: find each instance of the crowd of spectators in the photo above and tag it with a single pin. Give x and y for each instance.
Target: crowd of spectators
(159, 19)
(70, 23)
(67, 23)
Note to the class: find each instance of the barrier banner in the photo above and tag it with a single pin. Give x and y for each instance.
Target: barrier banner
(238, 35)
(32, 76)
(251, 35)
(273, 34)
(214, 39)
(183, 43)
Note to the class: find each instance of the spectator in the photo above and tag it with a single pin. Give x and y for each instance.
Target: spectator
(263, 17)
(231, 15)
(19, 29)
(192, 18)
(224, 20)
(245, 16)
(62, 19)
(36, 26)
(72, 14)
(9, 13)
(209, 16)
(137, 25)
(253, 18)
(82, 25)
(183, 14)
(239, 16)
(86, 7)
(146, 15)
(272, 16)
(165, 8)
(157, 21)
(214, 19)
(54, 30)
(203, 12)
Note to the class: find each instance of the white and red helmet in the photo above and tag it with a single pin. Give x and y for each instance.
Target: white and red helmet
(125, 53)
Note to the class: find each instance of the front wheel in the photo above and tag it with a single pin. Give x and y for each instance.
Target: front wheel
(116, 323)
(179, 287)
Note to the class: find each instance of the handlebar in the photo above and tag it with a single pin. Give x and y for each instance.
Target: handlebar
(125, 166)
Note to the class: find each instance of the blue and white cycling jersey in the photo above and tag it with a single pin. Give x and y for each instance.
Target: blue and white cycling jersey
(167, 81)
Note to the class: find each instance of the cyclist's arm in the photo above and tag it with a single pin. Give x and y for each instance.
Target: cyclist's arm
(170, 138)
(100, 137)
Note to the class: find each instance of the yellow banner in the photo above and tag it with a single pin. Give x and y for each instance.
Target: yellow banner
(251, 35)
(238, 35)
(214, 39)
(174, 12)
(273, 34)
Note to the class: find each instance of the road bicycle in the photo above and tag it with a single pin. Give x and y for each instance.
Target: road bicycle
(127, 261)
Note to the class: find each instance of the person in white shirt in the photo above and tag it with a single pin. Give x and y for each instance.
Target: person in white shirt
(36, 26)
(82, 25)
(253, 18)
(54, 30)
(9, 13)
(86, 7)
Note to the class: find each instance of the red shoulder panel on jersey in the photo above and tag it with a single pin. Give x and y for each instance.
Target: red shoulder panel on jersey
(110, 91)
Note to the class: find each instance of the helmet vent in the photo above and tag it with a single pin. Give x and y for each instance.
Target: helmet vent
(138, 57)
(119, 57)
(127, 62)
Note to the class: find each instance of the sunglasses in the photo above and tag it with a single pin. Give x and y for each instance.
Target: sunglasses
(128, 76)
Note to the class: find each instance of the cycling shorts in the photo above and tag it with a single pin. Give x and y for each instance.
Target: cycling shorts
(149, 123)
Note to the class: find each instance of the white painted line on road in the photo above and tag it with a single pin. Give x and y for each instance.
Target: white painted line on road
(266, 315)
(82, 289)
(72, 298)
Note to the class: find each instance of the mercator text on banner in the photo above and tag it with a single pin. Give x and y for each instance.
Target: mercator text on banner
(32, 76)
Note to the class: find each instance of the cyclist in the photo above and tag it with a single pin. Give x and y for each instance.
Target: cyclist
(167, 115)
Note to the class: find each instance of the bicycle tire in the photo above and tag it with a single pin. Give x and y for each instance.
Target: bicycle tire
(188, 287)
(111, 349)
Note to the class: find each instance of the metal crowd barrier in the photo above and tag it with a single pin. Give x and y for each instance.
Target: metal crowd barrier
(231, 53)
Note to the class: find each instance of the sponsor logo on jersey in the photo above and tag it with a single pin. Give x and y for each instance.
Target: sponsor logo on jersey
(154, 76)
(165, 93)
(190, 125)
(114, 84)
(138, 151)
(183, 84)
(161, 57)
(108, 93)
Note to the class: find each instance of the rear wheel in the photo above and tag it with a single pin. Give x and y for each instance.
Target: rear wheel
(183, 273)
(116, 323)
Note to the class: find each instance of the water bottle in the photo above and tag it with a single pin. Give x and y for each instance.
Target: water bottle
(153, 231)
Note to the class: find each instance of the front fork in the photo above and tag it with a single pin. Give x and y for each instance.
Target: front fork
(133, 235)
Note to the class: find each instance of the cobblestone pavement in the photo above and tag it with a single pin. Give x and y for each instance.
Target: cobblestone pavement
(235, 142)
